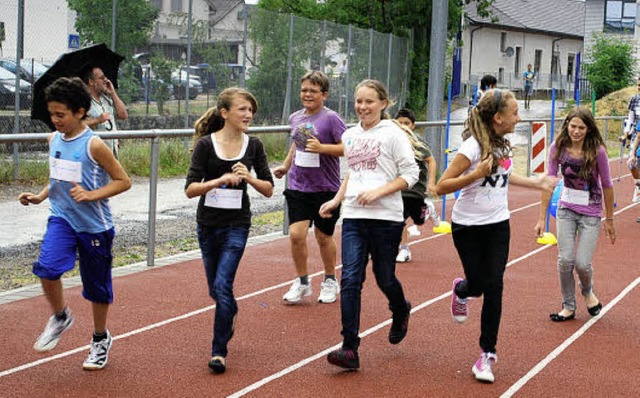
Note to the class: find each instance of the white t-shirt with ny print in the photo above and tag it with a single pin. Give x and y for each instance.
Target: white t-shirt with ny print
(484, 201)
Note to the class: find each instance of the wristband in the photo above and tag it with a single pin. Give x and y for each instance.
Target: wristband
(609, 218)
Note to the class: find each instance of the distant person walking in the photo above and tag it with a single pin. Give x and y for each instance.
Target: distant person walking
(529, 77)
(106, 105)
(381, 163)
(482, 170)
(313, 165)
(580, 155)
(220, 173)
(83, 174)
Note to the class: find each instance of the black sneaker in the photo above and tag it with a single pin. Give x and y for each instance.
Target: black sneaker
(347, 359)
(218, 364)
(399, 326)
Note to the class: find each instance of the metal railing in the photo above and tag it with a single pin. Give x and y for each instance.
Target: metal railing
(155, 137)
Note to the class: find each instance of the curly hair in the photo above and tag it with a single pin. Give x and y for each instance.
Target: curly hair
(70, 91)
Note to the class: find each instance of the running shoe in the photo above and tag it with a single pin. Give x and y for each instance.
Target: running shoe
(296, 292)
(329, 290)
(482, 367)
(404, 255)
(53, 331)
(459, 308)
(400, 325)
(347, 359)
(98, 354)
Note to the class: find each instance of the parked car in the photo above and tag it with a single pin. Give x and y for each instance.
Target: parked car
(8, 90)
(179, 81)
(30, 70)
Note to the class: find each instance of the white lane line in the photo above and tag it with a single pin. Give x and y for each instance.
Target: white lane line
(570, 340)
(250, 295)
(298, 365)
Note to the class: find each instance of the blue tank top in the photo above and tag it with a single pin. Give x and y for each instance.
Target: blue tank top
(70, 160)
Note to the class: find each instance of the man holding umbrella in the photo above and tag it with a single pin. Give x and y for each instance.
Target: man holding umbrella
(106, 105)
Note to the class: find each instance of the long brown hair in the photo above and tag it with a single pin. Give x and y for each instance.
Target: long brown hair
(480, 124)
(592, 140)
(212, 121)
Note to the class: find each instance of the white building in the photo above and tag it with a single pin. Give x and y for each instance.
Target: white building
(548, 34)
(48, 27)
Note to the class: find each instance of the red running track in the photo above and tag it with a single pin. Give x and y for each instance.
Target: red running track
(162, 325)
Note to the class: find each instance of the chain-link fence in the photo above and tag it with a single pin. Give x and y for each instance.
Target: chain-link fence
(239, 45)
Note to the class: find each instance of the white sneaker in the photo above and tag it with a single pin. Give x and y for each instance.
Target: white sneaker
(297, 291)
(404, 255)
(433, 214)
(636, 195)
(98, 354)
(329, 290)
(482, 368)
(52, 332)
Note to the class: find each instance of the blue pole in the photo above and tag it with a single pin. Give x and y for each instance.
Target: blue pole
(578, 97)
(553, 130)
(446, 145)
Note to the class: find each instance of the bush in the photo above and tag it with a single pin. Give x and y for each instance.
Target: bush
(610, 54)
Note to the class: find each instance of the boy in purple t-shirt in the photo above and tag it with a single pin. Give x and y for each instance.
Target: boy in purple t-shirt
(313, 165)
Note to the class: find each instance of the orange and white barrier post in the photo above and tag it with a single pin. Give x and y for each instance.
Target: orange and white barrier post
(539, 147)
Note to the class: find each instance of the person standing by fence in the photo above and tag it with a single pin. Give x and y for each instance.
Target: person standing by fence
(313, 165)
(529, 76)
(106, 105)
(220, 173)
(83, 174)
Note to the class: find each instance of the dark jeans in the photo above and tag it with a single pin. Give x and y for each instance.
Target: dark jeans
(222, 248)
(359, 238)
(483, 250)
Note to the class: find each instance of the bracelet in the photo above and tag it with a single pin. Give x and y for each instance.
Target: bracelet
(609, 218)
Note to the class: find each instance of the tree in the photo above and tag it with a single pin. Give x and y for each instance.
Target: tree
(405, 18)
(609, 54)
(134, 22)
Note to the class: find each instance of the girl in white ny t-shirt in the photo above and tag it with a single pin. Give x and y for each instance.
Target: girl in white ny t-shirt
(480, 220)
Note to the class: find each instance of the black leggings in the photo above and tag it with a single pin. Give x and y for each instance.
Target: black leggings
(483, 250)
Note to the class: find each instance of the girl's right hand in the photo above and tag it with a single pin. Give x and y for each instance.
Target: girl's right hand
(484, 167)
(327, 208)
(27, 198)
(230, 179)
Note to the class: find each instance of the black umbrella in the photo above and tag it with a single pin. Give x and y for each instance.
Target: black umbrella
(73, 64)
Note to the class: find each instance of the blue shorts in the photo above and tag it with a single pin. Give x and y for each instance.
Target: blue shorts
(58, 255)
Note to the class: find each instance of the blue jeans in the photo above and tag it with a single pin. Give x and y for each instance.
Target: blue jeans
(359, 238)
(577, 238)
(222, 248)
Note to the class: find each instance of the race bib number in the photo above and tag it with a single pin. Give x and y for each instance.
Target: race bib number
(224, 198)
(360, 182)
(65, 170)
(575, 196)
(307, 159)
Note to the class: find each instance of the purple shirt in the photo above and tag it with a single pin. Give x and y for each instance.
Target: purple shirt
(327, 127)
(570, 168)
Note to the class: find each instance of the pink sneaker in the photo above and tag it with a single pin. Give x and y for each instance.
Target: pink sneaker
(459, 309)
(482, 367)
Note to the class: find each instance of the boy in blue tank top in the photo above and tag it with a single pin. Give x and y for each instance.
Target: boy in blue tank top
(83, 174)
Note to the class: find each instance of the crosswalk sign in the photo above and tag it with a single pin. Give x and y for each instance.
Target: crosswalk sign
(74, 41)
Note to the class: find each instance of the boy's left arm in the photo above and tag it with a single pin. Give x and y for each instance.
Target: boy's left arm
(119, 183)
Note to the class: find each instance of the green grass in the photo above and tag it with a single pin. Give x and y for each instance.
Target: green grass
(34, 172)
(273, 218)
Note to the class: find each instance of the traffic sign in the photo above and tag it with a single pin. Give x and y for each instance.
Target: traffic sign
(74, 41)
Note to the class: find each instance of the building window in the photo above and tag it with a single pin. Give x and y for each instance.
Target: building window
(176, 5)
(503, 41)
(619, 16)
(501, 75)
(516, 67)
(571, 59)
(537, 62)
